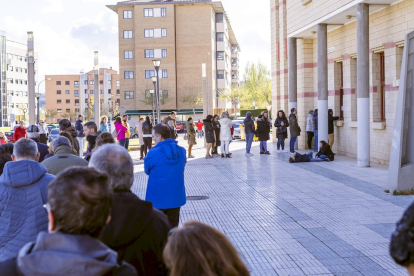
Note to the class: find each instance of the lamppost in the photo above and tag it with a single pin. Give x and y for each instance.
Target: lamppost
(38, 99)
(154, 93)
(157, 65)
(31, 77)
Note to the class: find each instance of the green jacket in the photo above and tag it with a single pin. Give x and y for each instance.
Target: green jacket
(294, 126)
(63, 159)
(191, 134)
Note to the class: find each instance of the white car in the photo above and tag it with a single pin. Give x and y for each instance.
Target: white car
(236, 125)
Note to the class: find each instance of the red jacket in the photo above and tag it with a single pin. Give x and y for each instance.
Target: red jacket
(19, 133)
(200, 125)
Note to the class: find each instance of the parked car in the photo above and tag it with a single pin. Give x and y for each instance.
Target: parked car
(53, 134)
(180, 126)
(9, 136)
(236, 125)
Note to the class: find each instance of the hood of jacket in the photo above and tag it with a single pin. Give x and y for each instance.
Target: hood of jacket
(248, 115)
(72, 131)
(206, 121)
(224, 121)
(170, 151)
(22, 173)
(66, 255)
(292, 115)
(63, 149)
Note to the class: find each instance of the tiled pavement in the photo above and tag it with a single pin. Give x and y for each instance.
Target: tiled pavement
(327, 218)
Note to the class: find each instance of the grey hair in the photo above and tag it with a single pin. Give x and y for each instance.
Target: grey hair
(224, 114)
(116, 162)
(61, 141)
(25, 149)
(33, 134)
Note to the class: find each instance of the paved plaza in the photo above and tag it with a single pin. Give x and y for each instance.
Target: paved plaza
(328, 218)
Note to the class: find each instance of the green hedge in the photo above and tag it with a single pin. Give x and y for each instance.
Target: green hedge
(255, 112)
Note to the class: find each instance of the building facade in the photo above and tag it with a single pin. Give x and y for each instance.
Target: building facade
(68, 96)
(182, 35)
(14, 88)
(344, 55)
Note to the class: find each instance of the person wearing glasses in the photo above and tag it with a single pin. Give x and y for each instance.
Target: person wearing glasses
(23, 191)
(43, 132)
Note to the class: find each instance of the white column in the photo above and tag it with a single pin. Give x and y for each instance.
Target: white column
(322, 83)
(293, 73)
(31, 78)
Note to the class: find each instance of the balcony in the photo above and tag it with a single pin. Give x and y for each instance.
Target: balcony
(235, 66)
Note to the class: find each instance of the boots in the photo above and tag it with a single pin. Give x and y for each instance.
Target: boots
(228, 156)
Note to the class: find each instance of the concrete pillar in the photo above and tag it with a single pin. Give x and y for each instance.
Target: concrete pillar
(97, 91)
(363, 117)
(31, 78)
(293, 73)
(322, 82)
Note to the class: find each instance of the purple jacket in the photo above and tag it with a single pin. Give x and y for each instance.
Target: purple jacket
(121, 131)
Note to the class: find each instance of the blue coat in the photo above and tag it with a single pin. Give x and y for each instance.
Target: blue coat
(165, 165)
(23, 191)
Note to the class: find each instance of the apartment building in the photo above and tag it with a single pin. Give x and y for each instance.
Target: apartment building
(182, 35)
(315, 64)
(67, 96)
(14, 88)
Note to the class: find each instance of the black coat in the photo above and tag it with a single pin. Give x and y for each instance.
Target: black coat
(138, 232)
(281, 131)
(42, 149)
(209, 129)
(217, 127)
(263, 129)
(146, 128)
(326, 151)
(331, 119)
(299, 158)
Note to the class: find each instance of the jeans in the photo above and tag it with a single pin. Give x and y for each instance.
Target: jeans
(81, 141)
(224, 147)
(122, 142)
(320, 159)
(280, 142)
(315, 142)
(173, 216)
(310, 137)
(263, 146)
(126, 143)
(292, 144)
(249, 141)
(147, 144)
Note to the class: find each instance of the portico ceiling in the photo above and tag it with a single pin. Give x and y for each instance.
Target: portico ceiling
(339, 17)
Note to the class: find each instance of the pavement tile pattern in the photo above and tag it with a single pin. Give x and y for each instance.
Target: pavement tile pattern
(293, 219)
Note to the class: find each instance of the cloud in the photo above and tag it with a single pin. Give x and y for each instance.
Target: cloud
(53, 6)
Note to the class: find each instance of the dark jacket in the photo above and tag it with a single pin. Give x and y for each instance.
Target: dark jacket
(331, 119)
(63, 254)
(326, 151)
(164, 164)
(263, 129)
(63, 159)
(315, 120)
(42, 148)
(138, 232)
(209, 129)
(79, 128)
(146, 128)
(299, 158)
(294, 126)
(217, 127)
(281, 131)
(74, 134)
(23, 191)
(91, 139)
(249, 124)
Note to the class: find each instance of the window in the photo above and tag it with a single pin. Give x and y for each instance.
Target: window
(220, 74)
(127, 34)
(91, 82)
(220, 55)
(219, 17)
(220, 36)
(91, 91)
(101, 82)
(77, 110)
(67, 92)
(164, 94)
(382, 86)
(25, 82)
(129, 95)
(101, 91)
(59, 101)
(118, 101)
(164, 73)
(127, 14)
(68, 101)
(68, 110)
(163, 12)
(148, 12)
(85, 82)
(118, 92)
(109, 91)
(149, 32)
(59, 110)
(149, 73)
(128, 75)
(164, 53)
(76, 93)
(117, 83)
(58, 83)
(128, 55)
(76, 84)
(148, 94)
(86, 91)
(10, 68)
(59, 92)
(67, 82)
(163, 32)
(149, 53)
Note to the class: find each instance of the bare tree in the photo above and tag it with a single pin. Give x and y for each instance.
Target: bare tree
(232, 95)
(50, 113)
(192, 96)
(69, 115)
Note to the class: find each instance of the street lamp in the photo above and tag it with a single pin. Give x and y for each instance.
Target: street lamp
(38, 98)
(152, 98)
(157, 65)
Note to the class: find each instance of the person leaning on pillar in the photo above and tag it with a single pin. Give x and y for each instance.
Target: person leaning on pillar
(331, 135)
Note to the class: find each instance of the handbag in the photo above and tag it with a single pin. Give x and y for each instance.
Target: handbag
(186, 136)
(115, 134)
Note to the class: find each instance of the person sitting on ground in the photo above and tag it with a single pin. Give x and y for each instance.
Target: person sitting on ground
(137, 231)
(402, 241)
(63, 157)
(325, 151)
(33, 134)
(65, 125)
(165, 165)
(19, 132)
(199, 249)
(23, 191)
(307, 157)
(79, 206)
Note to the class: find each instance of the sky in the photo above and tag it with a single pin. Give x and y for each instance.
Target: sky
(67, 32)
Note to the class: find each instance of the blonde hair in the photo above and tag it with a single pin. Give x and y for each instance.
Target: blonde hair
(199, 249)
(3, 135)
(102, 119)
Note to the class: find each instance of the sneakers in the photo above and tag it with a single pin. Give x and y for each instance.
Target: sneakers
(249, 155)
(278, 151)
(191, 156)
(228, 156)
(216, 155)
(209, 157)
(285, 150)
